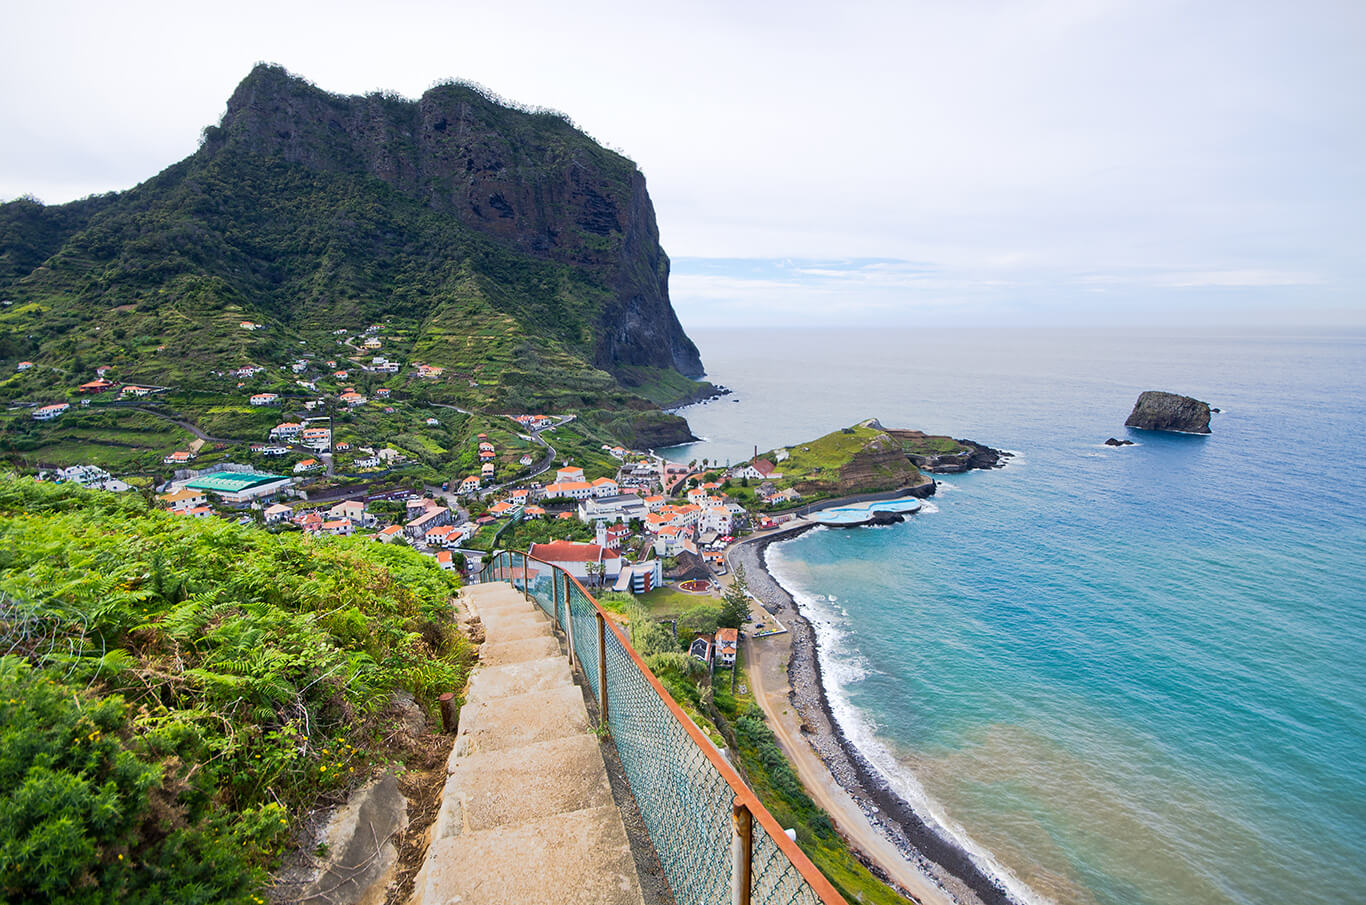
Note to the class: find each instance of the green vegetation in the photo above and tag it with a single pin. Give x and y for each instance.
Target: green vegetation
(286, 224)
(122, 440)
(178, 693)
(861, 459)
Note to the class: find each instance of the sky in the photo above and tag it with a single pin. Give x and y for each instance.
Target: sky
(949, 163)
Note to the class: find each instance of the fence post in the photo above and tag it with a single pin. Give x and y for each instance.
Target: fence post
(741, 853)
(568, 619)
(602, 665)
(526, 587)
(555, 593)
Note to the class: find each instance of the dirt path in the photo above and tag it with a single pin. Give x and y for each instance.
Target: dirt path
(767, 659)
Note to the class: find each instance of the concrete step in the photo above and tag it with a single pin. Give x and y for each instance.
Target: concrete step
(518, 628)
(578, 858)
(494, 682)
(505, 652)
(519, 720)
(505, 788)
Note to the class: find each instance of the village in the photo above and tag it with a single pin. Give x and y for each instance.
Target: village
(621, 520)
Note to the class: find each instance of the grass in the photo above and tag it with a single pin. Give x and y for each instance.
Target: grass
(666, 602)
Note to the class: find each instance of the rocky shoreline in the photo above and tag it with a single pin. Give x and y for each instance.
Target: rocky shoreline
(941, 859)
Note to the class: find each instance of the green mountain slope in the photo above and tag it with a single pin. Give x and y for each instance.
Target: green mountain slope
(502, 245)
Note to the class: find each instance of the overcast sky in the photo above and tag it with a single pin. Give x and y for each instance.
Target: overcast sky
(954, 162)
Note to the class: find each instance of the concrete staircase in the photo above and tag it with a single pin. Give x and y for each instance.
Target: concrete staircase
(527, 814)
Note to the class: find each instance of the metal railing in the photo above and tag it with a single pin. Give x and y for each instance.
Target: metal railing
(716, 842)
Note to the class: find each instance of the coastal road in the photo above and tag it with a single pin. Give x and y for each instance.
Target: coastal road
(766, 659)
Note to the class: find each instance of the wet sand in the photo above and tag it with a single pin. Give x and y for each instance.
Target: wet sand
(884, 830)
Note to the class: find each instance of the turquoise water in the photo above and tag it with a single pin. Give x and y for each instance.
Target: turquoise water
(1131, 675)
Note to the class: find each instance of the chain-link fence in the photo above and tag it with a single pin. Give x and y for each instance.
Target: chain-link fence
(704, 822)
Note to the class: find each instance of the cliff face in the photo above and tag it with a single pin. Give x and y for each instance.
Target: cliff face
(1159, 411)
(528, 180)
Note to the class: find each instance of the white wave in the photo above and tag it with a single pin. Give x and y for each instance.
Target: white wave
(842, 666)
(928, 508)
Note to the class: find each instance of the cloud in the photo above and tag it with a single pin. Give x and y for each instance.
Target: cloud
(901, 149)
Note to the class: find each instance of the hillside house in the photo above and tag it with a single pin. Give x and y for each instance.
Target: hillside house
(605, 487)
(373, 343)
(568, 473)
(180, 457)
(264, 399)
(429, 372)
(432, 518)
(439, 537)
(352, 399)
(48, 412)
(340, 527)
(354, 511)
(307, 465)
(469, 485)
(641, 577)
(727, 644)
(277, 513)
(620, 508)
(444, 560)
(387, 535)
(196, 512)
(574, 558)
(383, 393)
(318, 439)
(432, 422)
(574, 490)
(525, 460)
(758, 470)
(486, 471)
(95, 386)
(135, 391)
(23, 366)
(286, 430)
(183, 499)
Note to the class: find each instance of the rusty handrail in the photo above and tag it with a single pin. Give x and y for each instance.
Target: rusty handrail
(744, 796)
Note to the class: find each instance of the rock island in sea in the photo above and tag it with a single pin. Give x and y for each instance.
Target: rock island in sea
(852, 466)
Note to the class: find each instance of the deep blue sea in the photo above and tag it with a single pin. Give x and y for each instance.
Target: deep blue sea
(1123, 676)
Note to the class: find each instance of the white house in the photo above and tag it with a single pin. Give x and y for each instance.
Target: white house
(605, 487)
(575, 559)
(568, 474)
(48, 412)
(354, 511)
(264, 399)
(574, 490)
(623, 508)
(278, 513)
(287, 430)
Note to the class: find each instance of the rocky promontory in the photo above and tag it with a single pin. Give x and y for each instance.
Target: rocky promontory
(1159, 411)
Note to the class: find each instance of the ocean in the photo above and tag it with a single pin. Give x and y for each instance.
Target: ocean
(1131, 676)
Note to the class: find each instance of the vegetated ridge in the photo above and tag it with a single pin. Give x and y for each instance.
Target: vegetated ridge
(500, 244)
(867, 458)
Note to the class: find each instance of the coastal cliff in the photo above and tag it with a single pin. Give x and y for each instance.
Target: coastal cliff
(498, 243)
(1159, 411)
